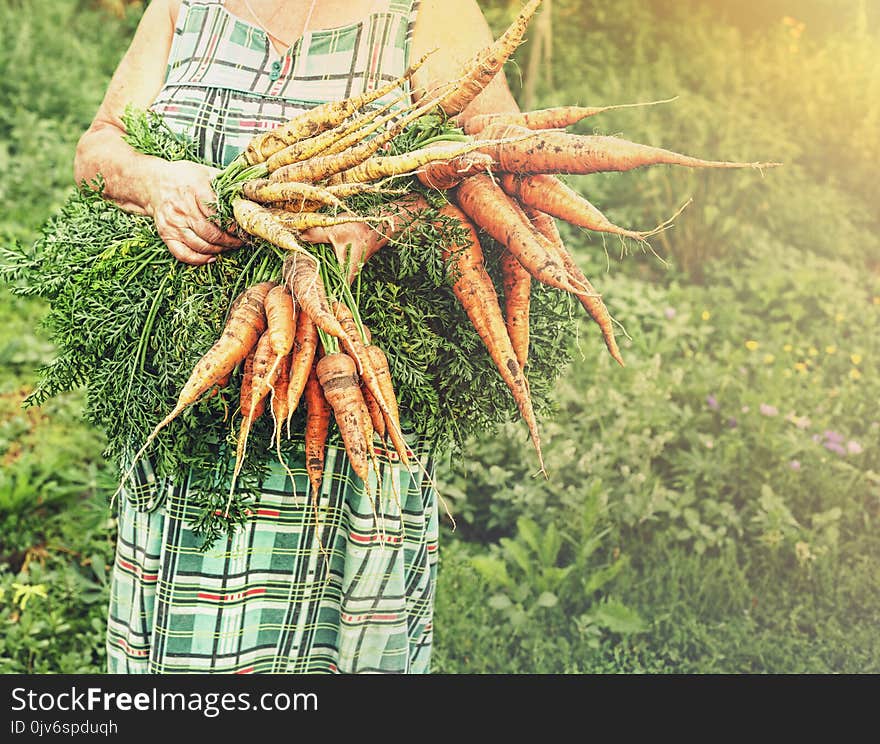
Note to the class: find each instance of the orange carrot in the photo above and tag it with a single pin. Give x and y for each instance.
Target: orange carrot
(376, 417)
(305, 343)
(280, 397)
(247, 320)
(280, 317)
(391, 414)
(301, 275)
(258, 379)
(280, 412)
(474, 289)
(338, 377)
(479, 71)
(561, 152)
(558, 117)
(250, 409)
(376, 378)
(486, 204)
(265, 370)
(317, 427)
(246, 323)
(548, 194)
(591, 300)
(517, 291)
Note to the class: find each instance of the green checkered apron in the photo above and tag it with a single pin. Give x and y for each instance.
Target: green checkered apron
(267, 599)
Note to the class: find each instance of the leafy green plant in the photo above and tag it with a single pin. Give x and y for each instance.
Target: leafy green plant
(542, 572)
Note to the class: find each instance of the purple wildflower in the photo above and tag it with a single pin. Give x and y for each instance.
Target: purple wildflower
(712, 402)
(795, 464)
(833, 436)
(835, 447)
(854, 448)
(669, 312)
(732, 422)
(767, 410)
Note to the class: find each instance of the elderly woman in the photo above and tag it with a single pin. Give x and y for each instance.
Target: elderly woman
(222, 71)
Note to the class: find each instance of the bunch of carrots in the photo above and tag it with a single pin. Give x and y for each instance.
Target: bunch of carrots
(300, 338)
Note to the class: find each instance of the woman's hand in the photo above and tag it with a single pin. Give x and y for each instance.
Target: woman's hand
(179, 200)
(351, 241)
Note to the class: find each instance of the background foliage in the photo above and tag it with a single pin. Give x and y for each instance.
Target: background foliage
(713, 506)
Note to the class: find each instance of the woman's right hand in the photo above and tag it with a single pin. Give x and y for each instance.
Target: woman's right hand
(179, 202)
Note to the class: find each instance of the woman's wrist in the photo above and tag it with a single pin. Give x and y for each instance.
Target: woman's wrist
(127, 175)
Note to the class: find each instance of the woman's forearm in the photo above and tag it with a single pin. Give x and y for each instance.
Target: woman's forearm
(127, 174)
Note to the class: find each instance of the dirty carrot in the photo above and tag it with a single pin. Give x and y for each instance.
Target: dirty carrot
(517, 293)
(307, 220)
(475, 291)
(339, 381)
(380, 167)
(562, 152)
(444, 175)
(307, 148)
(319, 119)
(246, 322)
(305, 344)
(549, 195)
(264, 191)
(318, 413)
(591, 301)
(489, 207)
(320, 167)
(280, 320)
(382, 371)
(259, 221)
(376, 416)
(280, 412)
(301, 274)
(479, 70)
(557, 117)
(256, 383)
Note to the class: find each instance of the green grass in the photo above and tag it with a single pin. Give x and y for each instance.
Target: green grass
(712, 508)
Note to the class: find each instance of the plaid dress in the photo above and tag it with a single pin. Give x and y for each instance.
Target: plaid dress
(267, 599)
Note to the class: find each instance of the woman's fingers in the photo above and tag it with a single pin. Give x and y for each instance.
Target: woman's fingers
(195, 242)
(182, 205)
(211, 233)
(206, 228)
(187, 255)
(194, 231)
